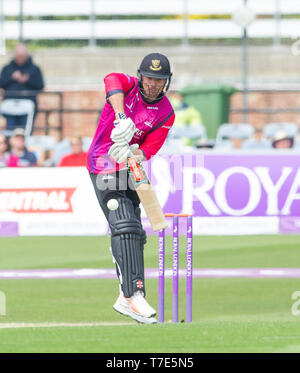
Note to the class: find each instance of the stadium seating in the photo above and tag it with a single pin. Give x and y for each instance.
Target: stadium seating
(189, 131)
(254, 144)
(41, 146)
(64, 147)
(46, 142)
(12, 106)
(271, 128)
(233, 131)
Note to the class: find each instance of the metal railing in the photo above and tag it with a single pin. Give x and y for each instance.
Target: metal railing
(46, 127)
(59, 109)
(268, 109)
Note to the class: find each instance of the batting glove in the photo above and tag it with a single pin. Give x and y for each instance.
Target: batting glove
(123, 131)
(120, 153)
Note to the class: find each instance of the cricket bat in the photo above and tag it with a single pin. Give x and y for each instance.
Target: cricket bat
(147, 195)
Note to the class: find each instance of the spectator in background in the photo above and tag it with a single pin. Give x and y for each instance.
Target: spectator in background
(6, 159)
(21, 78)
(77, 157)
(187, 119)
(18, 149)
(282, 140)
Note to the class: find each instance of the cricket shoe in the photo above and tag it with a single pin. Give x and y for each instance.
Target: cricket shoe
(136, 307)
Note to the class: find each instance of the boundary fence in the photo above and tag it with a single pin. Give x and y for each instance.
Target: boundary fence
(143, 19)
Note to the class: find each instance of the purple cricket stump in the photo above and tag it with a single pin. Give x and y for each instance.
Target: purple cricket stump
(189, 269)
(175, 268)
(161, 276)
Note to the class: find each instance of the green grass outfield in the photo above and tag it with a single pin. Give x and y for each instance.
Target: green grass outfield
(229, 315)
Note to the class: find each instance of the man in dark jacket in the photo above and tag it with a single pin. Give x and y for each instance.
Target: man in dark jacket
(21, 78)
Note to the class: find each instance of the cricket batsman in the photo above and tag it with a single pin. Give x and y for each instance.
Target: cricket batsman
(135, 121)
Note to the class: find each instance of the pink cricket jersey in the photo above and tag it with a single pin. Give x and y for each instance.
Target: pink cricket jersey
(153, 122)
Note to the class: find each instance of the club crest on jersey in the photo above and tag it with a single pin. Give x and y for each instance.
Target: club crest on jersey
(138, 133)
(156, 66)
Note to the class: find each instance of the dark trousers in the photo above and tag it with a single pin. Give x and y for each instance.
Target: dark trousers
(127, 234)
(113, 186)
(15, 121)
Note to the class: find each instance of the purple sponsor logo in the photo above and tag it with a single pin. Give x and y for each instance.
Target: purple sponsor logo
(289, 224)
(9, 229)
(227, 185)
